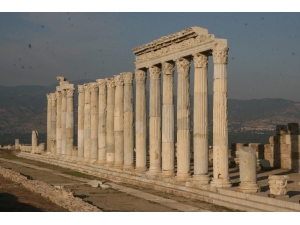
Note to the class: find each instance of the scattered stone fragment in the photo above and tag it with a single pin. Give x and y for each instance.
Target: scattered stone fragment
(95, 183)
(104, 186)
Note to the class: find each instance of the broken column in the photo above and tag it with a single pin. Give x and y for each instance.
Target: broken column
(248, 176)
(34, 141)
(278, 185)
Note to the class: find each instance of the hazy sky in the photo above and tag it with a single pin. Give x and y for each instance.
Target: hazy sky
(264, 48)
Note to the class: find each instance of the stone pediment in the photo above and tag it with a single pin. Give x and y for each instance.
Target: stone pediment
(171, 47)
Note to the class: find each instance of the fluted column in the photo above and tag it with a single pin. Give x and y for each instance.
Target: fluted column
(102, 122)
(155, 121)
(119, 121)
(168, 156)
(87, 123)
(53, 123)
(70, 121)
(220, 120)
(94, 122)
(80, 133)
(110, 137)
(58, 123)
(128, 121)
(63, 122)
(183, 119)
(140, 121)
(200, 120)
(49, 119)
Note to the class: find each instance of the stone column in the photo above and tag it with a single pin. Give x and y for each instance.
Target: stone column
(70, 122)
(49, 119)
(110, 137)
(53, 124)
(200, 120)
(155, 121)
(248, 171)
(140, 121)
(128, 121)
(80, 138)
(183, 119)
(119, 121)
(102, 122)
(94, 122)
(168, 155)
(63, 122)
(87, 123)
(58, 123)
(34, 141)
(220, 120)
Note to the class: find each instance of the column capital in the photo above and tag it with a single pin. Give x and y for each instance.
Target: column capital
(101, 82)
(64, 93)
(127, 77)
(70, 92)
(53, 96)
(220, 56)
(58, 94)
(200, 60)
(110, 82)
(154, 72)
(94, 87)
(140, 75)
(183, 66)
(168, 68)
(87, 87)
(119, 80)
(48, 96)
(80, 88)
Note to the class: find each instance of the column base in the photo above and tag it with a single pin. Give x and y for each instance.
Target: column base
(101, 162)
(153, 173)
(201, 179)
(140, 169)
(109, 164)
(167, 173)
(248, 188)
(92, 161)
(220, 183)
(128, 167)
(79, 159)
(183, 176)
(118, 165)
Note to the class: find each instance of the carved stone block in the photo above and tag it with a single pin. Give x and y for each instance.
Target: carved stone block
(278, 184)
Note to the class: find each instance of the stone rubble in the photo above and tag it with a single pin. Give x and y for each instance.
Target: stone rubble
(61, 197)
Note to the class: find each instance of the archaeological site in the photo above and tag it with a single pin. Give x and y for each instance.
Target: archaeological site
(128, 135)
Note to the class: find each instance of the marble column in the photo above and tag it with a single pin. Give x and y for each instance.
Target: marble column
(70, 122)
(168, 154)
(247, 159)
(53, 124)
(94, 122)
(110, 137)
(49, 119)
(183, 119)
(102, 122)
(200, 120)
(140, 121)
(119, 121)
(220, 120)
(63, 122)
(34, 141)
(80, 138)
(128, 121)
(155, 121)
(87, 123)
(58, 123)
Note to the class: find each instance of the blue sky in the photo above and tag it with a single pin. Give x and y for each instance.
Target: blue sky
(264, 48)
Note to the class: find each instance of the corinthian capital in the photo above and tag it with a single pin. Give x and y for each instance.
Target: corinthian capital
(64, 93)
(58, 94)
(94, 87)
(48, 96)
(154, 72)
(183, 66)
(220, 56)
(118, 80)
(127, 77)
(53, 97)
(140, 75)
(70, 92)
(110, 82)
(200, 60)
(168, 68)
(80, 88)
(101, 83)
(87, 88)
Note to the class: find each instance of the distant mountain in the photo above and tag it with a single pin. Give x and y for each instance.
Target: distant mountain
(24, 108)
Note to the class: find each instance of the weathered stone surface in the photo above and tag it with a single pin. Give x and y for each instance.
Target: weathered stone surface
(278, 184)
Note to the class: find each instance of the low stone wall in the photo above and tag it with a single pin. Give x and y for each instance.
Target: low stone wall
(62, 198)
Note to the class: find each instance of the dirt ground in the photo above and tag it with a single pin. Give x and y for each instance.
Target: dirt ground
(109, 200)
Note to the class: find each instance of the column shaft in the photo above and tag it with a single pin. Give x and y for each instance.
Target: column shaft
(102, 122)
(53, 124)
(49, 119)
(168, 156)
(63, 122)
(140, 121)
(155, 121)
(87, 123)
(94, 122)
(110, 137)
(183, 119)
(80, 138)
(58, 123)
(70, 121)
(128, 121)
